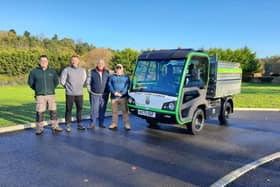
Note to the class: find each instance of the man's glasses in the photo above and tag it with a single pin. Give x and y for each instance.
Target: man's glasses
(118, 67)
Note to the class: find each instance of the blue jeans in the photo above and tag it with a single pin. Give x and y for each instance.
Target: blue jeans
(98, 108)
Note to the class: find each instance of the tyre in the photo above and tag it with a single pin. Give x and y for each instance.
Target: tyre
(152, 123)
(224, 115)
(198, 121)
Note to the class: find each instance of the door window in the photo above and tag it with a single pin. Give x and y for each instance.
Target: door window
(197, 72)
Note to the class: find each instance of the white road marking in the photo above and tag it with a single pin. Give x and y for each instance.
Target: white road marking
(258, 109)
(241, 171)
(45, 123)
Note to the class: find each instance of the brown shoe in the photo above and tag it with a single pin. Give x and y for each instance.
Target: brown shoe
(39, 128)
(39, 131)
(57, 129)
(91, 126)
(127, 127)
(113, 126)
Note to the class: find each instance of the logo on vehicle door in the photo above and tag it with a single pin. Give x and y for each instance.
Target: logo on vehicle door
(147, 100)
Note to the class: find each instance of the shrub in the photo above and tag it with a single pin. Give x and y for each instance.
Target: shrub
(265, 79)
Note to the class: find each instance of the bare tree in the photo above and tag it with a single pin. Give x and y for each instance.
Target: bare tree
(90, 59)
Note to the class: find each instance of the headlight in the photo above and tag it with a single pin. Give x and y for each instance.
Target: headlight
(169, 105)
(131, 101)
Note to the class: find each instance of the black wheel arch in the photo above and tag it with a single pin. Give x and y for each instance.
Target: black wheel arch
(203, 107)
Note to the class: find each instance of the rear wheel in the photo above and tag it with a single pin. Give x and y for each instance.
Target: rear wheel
(152, 123)
(198, 121)
(224, 115)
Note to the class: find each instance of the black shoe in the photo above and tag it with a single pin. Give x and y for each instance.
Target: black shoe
(81, 127)
(102, 126)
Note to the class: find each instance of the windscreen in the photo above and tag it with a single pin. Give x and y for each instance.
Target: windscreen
(161, 77)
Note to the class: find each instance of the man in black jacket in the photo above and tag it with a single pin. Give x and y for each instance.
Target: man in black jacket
(97, 84)
(43, 81)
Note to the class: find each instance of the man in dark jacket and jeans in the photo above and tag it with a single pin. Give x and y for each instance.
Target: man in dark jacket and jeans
(43, 81)
(97, 84)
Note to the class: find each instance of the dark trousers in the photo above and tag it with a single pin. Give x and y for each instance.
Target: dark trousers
(70, 99)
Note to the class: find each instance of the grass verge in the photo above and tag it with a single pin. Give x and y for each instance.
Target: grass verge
(17, 102)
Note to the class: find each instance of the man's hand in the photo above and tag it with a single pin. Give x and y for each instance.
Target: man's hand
(118, 94)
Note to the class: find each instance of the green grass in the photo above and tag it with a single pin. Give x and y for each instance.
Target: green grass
(258, 96)
(17, 104)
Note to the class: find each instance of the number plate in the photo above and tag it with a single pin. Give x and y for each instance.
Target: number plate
(147, 113)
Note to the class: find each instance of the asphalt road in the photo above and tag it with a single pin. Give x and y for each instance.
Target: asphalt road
(266, 175)
(168, 156)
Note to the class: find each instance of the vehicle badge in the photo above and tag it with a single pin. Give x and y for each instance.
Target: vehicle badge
(147, 100)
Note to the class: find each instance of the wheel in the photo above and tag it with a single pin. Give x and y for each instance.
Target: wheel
(224, 115)
(198, 121)
(152, 123)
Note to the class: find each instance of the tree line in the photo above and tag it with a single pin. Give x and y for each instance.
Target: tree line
(20, 53)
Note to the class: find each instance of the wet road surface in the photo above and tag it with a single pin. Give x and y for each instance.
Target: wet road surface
(168, 156)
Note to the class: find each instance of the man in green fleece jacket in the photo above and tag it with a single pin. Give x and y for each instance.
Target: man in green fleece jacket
(43, 81)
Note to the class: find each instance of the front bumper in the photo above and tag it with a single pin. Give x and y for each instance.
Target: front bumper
(160, 116)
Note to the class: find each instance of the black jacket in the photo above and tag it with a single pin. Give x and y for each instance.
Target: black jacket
(95, 84)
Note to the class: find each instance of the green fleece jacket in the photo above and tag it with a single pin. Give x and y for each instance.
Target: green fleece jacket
(43, 82)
